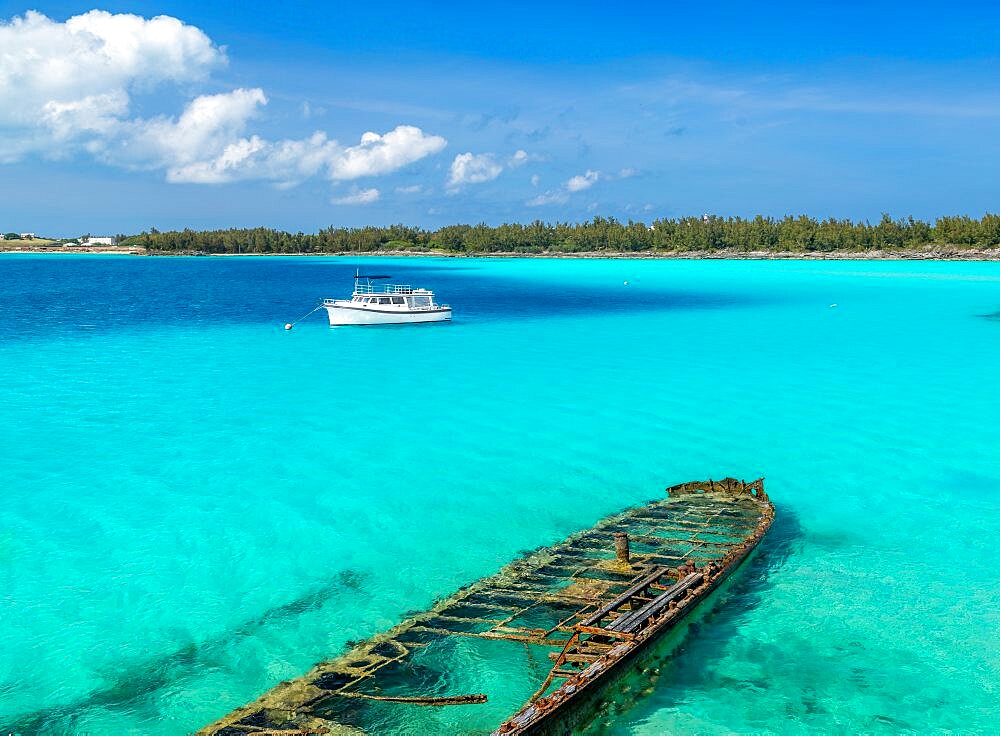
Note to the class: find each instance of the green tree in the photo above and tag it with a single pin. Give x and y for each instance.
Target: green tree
(799, 234)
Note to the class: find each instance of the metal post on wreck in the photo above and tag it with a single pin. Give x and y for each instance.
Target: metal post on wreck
(622, 551)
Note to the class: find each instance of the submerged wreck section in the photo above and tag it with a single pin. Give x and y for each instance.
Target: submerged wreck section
(553, 630)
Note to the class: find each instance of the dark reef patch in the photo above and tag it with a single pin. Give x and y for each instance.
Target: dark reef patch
(133, 683)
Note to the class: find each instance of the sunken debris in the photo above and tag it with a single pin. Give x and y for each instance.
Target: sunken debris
(593, 606)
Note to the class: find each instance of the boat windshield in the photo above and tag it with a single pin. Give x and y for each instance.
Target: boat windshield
(420, 302)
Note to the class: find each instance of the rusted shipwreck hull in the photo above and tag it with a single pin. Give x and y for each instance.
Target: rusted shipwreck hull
(597, 604)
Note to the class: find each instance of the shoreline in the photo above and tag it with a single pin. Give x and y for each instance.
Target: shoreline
(939, 253)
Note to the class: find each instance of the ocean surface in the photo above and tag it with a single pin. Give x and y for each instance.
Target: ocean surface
(196, 504)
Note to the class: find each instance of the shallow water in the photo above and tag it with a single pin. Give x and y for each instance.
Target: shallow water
(197, 504)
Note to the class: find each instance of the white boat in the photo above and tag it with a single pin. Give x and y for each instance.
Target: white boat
(385, 304)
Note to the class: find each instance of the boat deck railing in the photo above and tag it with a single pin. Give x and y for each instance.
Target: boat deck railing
(388, 289)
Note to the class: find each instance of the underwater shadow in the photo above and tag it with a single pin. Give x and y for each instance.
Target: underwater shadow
(138, 681)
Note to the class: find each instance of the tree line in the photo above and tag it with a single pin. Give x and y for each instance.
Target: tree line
(790, 234)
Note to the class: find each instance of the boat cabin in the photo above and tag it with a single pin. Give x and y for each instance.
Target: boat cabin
(410, 299)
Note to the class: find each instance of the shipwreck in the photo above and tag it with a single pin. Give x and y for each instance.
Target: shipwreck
(541, 646)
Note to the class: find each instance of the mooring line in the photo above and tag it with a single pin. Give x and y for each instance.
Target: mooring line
(290, 325)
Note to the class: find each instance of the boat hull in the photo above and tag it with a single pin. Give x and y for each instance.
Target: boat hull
(343, 315)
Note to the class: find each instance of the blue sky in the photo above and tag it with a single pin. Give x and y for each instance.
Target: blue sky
(307, 115)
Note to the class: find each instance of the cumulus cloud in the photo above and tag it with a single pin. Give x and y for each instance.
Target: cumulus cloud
(535, 179)
(67, 88)
(582, 181)
(577, 183)
(203, 144)
(520, 158)
(550, 197)
(469, 168)
(358, 196)
(381, 154)
(472, 168)
(69, 83)
(292, 160)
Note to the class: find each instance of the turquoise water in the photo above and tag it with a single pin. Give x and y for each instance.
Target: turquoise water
(197, 504)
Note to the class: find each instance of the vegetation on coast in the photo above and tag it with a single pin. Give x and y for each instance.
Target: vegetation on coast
(16, 240)
(689, 234)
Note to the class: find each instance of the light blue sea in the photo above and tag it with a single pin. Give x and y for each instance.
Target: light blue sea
(196, 504)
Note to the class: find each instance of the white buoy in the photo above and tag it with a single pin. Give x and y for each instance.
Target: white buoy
(833, 305)
(288, 325)
(626, 283)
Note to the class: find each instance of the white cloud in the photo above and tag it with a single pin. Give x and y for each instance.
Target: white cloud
(550, 197)
(577, 183)
(67, 88)
(412, 189)
(520, 158)
(203, 145)
(64, 85)
(627, 173)
(290, 161)
(469, 168)
(582, 181)
(358, 196)
(382, 154)
(97, 114)
(535, 179)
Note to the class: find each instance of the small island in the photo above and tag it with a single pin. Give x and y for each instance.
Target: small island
(947, 238)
